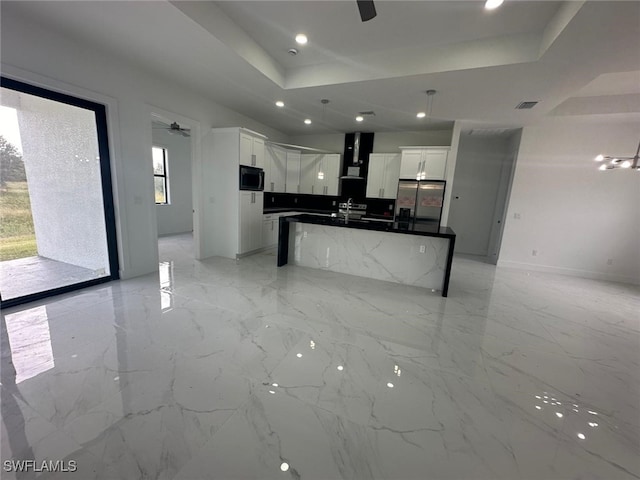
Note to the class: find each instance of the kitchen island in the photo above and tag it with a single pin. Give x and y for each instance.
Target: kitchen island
(418, 255)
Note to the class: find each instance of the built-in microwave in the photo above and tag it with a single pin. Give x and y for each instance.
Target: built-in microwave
(251, 178)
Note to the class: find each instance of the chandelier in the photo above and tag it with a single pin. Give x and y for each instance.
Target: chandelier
(619, 162)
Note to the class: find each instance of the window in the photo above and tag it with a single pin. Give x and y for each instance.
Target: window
(160, 175)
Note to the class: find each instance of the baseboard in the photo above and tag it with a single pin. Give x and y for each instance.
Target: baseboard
(574, 272)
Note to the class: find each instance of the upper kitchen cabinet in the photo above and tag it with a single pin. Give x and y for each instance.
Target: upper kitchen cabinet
(331, 167)
(293, 172)
(309, 165)
(320, 173)
(424, 163)
(384, 172)
(275, 168)
(251, 148)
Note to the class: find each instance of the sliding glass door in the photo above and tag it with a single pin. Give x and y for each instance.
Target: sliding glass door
(57, 225)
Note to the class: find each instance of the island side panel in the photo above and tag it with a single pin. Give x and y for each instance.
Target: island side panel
(392, 257)
(283, 241)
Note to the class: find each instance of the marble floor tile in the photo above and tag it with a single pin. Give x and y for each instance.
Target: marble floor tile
(238, 369)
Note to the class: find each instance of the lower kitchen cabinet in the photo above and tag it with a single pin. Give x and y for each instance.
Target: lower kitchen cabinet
(250, 225)
(270, 230)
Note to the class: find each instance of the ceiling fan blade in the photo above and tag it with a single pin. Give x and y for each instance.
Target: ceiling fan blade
(367, 9)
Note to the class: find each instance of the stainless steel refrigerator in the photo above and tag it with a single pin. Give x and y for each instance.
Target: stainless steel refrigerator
(420, 201)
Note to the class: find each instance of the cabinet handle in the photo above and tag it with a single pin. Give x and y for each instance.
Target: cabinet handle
(379, 193)
(382, 193)
(312, 189)
(272, 225)
(326, 190)
(272, 187)
(418, 172)
(253, 159)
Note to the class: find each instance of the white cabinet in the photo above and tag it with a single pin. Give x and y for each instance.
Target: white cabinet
(309, 163)
(384, 172)
(270, 225)
(331, 165)
(275, 168)
(320, 173)
(424, 163)
(411, 164)
(436, 164)
(251, 149)
(250, 224)
(293, 172)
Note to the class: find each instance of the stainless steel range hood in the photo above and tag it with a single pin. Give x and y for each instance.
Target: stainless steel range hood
(353, 170)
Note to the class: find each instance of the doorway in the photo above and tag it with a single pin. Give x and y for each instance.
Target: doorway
(58, 224)
(172, 157)
(484, 170)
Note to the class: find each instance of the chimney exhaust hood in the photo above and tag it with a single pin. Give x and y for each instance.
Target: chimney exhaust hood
(357, 148)
(354, 162)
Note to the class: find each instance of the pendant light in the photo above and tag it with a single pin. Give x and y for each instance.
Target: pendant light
(427, 112)
(630, 163)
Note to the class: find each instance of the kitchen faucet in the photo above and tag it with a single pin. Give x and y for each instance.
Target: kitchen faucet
(349, 205)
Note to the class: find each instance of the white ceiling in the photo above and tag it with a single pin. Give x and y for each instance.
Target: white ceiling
(575, 58)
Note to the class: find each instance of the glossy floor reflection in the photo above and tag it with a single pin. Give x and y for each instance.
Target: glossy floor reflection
(218, 369)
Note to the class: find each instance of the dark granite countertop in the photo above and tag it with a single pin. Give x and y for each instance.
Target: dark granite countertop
(267, 211)
(393, 227)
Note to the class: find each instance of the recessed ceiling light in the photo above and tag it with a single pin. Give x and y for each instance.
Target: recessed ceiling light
(492, 4)
(280, 103)
(359, 118)
(301, 38)
(307, 121)
(421, 115)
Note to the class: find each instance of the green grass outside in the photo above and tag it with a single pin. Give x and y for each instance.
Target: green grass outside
(17, 235)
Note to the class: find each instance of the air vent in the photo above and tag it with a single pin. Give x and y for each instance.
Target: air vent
(488, 131)
(526, 105)
(371, 112)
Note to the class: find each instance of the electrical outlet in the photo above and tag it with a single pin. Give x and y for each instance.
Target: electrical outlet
(295, 200)
(333, 203)
(304, 234)
(516, 216)
(422, 248)
(534, 253)
(610, 261)
(273, 200)
(391, 206)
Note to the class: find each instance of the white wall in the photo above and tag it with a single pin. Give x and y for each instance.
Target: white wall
(62, 163)
(36, 54)
(383, 142)
(576, 217)
(177, 215)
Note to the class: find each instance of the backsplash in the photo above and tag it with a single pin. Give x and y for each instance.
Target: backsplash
(295, 201)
